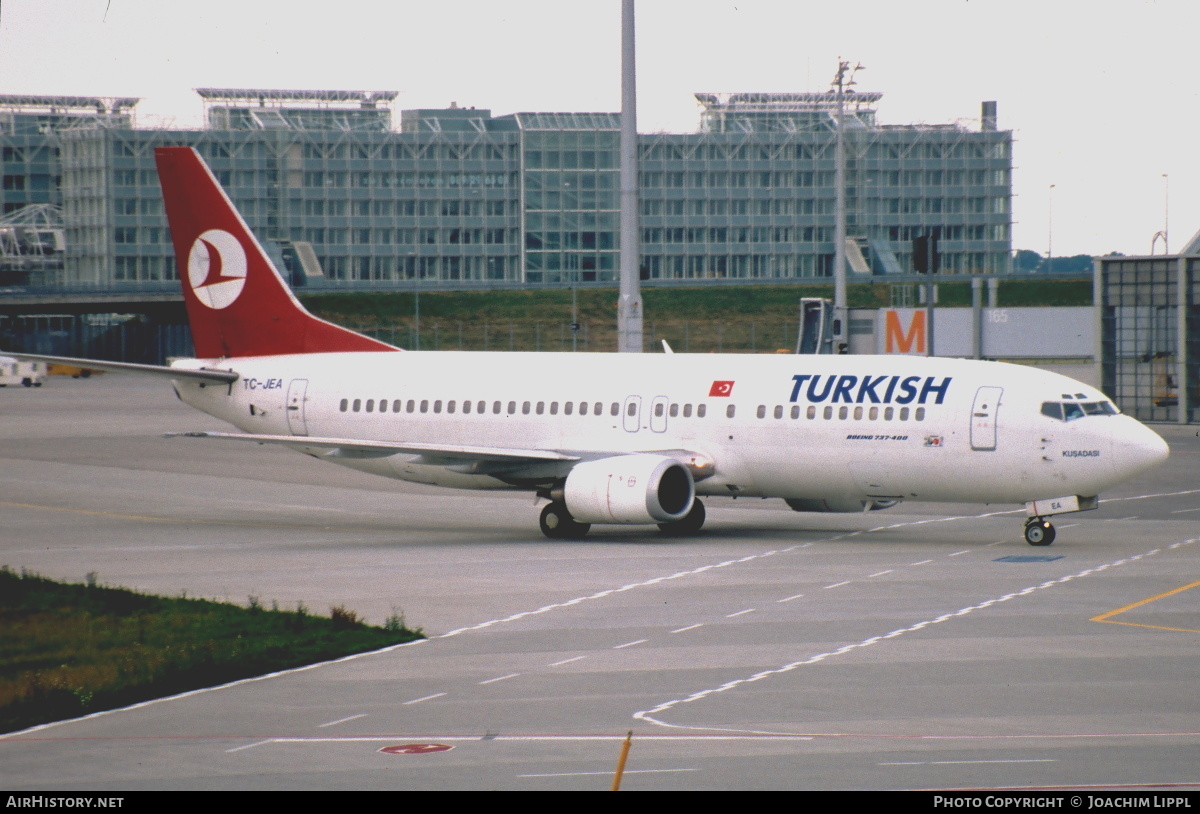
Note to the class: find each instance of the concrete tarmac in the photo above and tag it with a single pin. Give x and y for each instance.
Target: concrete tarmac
(922, 647)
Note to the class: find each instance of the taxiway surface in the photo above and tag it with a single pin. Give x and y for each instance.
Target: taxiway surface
(922, 647)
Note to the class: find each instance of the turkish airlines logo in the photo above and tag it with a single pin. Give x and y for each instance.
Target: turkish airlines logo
(217, 268)
(720, 388)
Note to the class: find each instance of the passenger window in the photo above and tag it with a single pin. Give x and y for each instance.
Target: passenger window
(658, 410)
(920, 414)
(779, 411)
(495, 408)
(598, 409)
(674, 411)
(554, 408)
(873, 414)
(796, 411)
(631, 409)
(904, 414)
(411, 406)
(450, 406)
(424, 405)
(888, 412)
(466, 408)
(396, 406)
(525, 408)
(616, 409)
(730, 411)
(701, 410)
(828, 412)
(858, 413)
(437, 406)
(344, 405)
(370, 405)
(811, 412)
(687, 411)
(541, 407)
(762, 411)
(357, 405)
(512, 408)
(843, 412)
(482, 405)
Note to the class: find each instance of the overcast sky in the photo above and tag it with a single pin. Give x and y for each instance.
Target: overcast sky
(1102, 96)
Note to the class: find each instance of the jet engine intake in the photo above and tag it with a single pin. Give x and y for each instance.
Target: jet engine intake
(642, 488)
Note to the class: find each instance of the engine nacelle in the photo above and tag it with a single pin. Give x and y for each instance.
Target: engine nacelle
(840, 504)
(629, 489)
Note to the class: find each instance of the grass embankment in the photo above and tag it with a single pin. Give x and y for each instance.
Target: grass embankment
(699, 320)
(68, 650)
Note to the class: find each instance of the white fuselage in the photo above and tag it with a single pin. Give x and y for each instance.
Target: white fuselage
(798, 427)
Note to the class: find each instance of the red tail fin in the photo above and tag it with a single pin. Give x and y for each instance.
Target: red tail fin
(237, 303)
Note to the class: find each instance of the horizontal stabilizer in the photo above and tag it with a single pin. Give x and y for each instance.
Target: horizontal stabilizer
(201, 374)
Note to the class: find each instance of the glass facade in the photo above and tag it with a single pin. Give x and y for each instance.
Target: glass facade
(459, 196)
(1150, 335)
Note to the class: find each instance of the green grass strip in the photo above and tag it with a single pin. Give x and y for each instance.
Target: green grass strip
(68, 650)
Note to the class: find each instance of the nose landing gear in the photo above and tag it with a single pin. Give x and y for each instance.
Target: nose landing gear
(1039, 532)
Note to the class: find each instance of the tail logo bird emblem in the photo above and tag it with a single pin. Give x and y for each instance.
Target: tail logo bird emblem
(217, 268)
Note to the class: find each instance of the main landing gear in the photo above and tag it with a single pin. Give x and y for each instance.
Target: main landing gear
(690, 523)
(557, 523)
(1038, 531)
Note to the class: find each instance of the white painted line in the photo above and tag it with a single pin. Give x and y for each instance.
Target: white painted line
(611, 591)
(966, 762)
(426, 698)
(837, 584)
(1184, 511)
(956, 553)
(608, 773)
(880, 573)
(739, 613)
(630, 644)
(248, 746)
(922, 562)
(647, 715)
(686, 629)
(342, 720)
(501, 678)
(567, 661)
(790, 598)
(998, 542)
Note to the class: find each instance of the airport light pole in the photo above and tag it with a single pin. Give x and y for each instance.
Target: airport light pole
(1166, 212)
(629, 304)
(1050, 230)
(843, 81)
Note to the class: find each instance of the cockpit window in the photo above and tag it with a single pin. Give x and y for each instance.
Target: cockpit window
(1052, 409)
(1071, 410)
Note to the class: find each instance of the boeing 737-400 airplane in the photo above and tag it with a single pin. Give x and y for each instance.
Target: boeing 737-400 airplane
(625, 438)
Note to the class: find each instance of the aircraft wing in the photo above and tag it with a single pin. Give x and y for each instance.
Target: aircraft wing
(461, 458)
(349, 447)
(202, 374)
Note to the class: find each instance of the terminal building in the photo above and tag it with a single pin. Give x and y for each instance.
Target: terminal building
(341, 195)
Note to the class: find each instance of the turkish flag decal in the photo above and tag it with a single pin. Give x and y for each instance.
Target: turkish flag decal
(721, 389)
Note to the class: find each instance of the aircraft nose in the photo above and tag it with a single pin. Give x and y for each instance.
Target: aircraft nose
(1140, 448)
